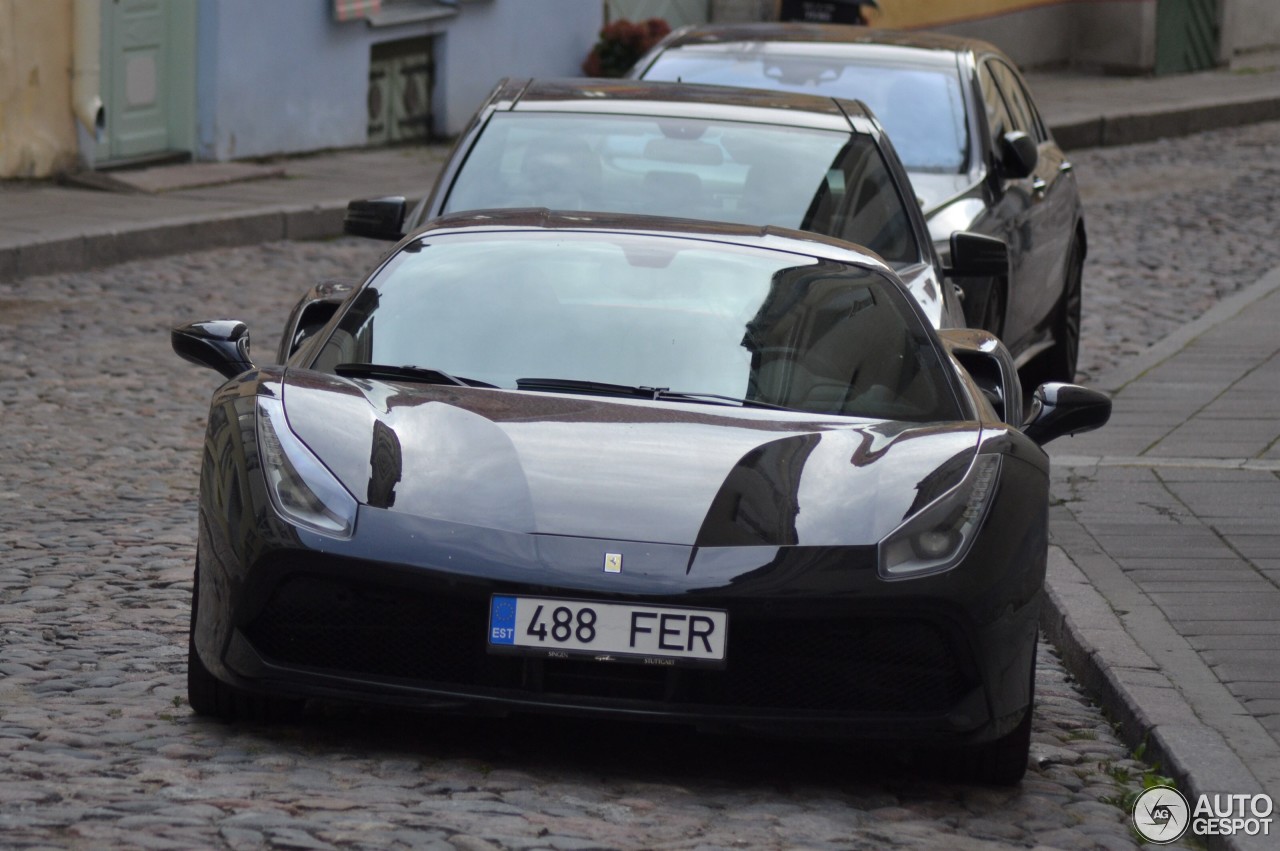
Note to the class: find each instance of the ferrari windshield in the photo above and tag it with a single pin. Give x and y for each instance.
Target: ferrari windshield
(921, 108)
(829, 182)
(654, 312)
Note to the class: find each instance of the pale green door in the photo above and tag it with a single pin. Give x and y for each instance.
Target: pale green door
(1186, 35)
(148, 77)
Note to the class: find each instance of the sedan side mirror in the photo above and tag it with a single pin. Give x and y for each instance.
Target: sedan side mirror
(1059, 409)
(975, 255)
(1018, 155)
(376, 218)
(220, 344)
(990, 366)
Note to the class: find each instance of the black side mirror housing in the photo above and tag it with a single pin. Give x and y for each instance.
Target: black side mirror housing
(990, 366)
(376, 218)
(1018, 155)
(220, 344)
(1058, 410)
(975, 255)
(311, 313)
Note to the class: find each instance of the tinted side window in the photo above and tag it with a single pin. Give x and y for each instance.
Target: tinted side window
(865, 207)
(1023, 113)
(998, 120)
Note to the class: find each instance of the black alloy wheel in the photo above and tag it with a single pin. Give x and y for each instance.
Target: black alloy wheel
(1061, 360)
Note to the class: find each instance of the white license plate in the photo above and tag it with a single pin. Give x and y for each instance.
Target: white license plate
(659, 635)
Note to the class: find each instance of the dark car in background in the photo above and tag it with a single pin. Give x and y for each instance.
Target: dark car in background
(968, 132)
(817, 164)
(631, 468)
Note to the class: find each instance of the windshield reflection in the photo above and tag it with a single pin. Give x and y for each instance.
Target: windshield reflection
(686, 315)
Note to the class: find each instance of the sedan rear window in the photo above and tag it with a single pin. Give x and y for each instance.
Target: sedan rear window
(822, 181)
(922, 109)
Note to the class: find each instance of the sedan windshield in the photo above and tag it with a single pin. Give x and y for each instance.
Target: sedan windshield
(828, 182)
(712, 323)
(921, 108)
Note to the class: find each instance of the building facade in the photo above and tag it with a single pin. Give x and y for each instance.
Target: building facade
(103, 83)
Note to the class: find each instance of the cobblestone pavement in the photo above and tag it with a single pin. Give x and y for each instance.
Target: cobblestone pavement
(1173, 226)
(101, 426)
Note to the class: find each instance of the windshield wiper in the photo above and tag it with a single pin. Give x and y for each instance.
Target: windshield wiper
(409, 372)
(573, 385)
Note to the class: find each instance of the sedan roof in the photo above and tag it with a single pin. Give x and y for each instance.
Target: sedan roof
(646, 97)
(910, 44)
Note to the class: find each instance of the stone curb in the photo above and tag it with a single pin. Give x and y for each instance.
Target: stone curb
(1131, 128)
(192, 233)
(1146, 705)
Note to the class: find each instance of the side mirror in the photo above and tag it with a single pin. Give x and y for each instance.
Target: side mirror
(311, 312)
(1061, 409)
(990, 366)
(974, 255)
(376, 218)
(1018, 155)
(220, 344)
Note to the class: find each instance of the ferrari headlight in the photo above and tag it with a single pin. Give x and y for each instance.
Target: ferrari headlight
(938, 537)
(302, 489)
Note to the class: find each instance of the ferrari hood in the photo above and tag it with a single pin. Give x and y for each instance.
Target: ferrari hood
(674, 473)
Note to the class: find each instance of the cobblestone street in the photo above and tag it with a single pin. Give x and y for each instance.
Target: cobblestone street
(102, 425)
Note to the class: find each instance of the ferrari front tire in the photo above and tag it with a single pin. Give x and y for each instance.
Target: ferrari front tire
(213, 698)
(1004, 761)
(1001, 762)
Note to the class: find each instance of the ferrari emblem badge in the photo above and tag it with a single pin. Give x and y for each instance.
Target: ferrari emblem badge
(613, 562)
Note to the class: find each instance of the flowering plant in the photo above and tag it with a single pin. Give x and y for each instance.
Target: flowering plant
(621, 43)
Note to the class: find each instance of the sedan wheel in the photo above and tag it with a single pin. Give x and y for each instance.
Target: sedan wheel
(1060, 364)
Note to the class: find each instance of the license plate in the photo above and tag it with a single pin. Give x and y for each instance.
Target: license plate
(608, 632)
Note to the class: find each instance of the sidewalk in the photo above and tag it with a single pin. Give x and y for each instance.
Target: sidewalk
(47, 228)
(1164, 573)
(1165, 565)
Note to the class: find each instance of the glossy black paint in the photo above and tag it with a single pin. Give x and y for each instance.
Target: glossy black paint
(378, 218)
(220, 344)
(1058, 410)
(311, 312)
(790, 569)
(1017, 184)
(772, 516)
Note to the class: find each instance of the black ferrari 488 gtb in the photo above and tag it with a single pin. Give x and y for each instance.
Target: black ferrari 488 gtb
(632, 467)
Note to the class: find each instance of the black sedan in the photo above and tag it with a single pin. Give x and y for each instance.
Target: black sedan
(962, 119)
(635, 468)
(751, 157)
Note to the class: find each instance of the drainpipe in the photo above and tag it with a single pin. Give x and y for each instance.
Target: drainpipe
(86, 75)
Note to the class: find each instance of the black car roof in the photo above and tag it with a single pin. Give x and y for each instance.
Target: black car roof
(646, 97)
(912, 44)
(758, 236)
